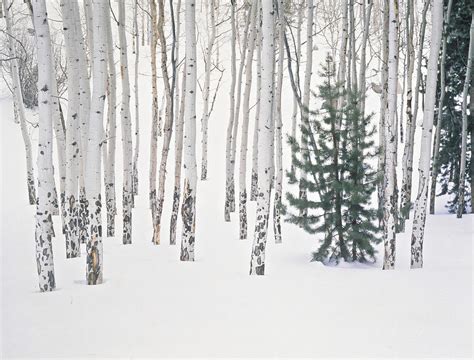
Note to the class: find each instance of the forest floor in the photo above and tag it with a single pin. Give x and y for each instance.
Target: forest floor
(151, 304)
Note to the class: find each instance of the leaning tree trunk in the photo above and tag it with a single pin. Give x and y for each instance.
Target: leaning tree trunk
(390, 180)
(229, 166)
(125, 118)
(188, 211)
(419, 218)
(73, 131)
(110, 197)
(207, 82)
(278, 126)
(167, 129)
(44, 203)
(245, 127)
(306, 94)
(19, 106)
(467, 83)
(257, 261)
(439, 120)
(407, 161)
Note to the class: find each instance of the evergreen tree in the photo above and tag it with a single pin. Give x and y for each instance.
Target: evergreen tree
(450, 142)
(339, 183)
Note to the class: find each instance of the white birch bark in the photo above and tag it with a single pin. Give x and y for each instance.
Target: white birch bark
(278, 125)
(126, 126)
(19, 106)
(245, 126)
(229, 166)
(211, 27)
(44, 204)
(390, 140)
(190, 167)
(110, 194)
(367, 11)
(467, 83)
(167, 128)
(421, 201)
(257, 261)
(73, 131)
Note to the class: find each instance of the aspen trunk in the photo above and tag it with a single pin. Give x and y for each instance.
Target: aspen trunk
(125, 119)
(110, 195)
(257, 262)
(19, 106)
(229, 166)
(465, 92)
(278, 126)
(167, 129)
(44, 204)
(254, 177)
(419, 217)
(389, 222)
(190, 167)
(245, 126)
(73, 131)
(179, 157)
(137, 112)
(439, 120)
(306, 91)
(211, 26)
(407, 161)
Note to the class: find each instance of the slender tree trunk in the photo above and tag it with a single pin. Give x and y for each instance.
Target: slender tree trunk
(306, 92)
(245, 126)
(167, 129)
(294, 116)
(211, 26)
(73, 131)
(93, 164)
(390, 180)
(257, 262)
(419, 218)
(229, 166)
(20, 107)
(254, 178)
(407, 161)
(178, 121)
(137, 105)
(278, 125)
(439, 121)
(367, 11)
(125, 119)
(188, 211)
(110, 197)
(179, 157)
(44, 204)
(465, 92)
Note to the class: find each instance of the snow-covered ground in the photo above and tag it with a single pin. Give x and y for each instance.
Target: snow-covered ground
(153, 305)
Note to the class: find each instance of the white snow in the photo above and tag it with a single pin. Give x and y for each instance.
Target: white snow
(153, 305)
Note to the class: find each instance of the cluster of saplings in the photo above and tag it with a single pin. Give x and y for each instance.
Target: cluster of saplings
(331, 167)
